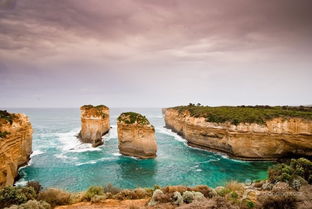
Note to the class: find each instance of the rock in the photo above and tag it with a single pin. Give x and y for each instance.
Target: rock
(94, 124)
(136, 136)
(278, 137)
(15, 145)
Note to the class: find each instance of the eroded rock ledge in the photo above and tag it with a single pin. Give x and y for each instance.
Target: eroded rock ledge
(136, 136)
(275, 138)
(94, 124)
(15, 145)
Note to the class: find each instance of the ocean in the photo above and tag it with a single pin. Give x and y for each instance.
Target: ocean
(59, 160)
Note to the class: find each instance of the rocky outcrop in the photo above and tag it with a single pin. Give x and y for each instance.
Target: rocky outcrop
(136, 136)
(94, 124)
(15, 145)
(278, 137)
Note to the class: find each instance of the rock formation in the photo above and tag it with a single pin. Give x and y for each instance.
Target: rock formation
(15, 145)
(277, 137)
(136, 136)
(94, 124)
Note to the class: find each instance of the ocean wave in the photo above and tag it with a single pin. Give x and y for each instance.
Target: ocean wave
(95, 161)
(36, 152)
(116, 154)
(169, 132)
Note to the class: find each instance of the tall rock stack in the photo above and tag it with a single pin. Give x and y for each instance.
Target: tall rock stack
(15, 145)
(94, 124)
(136, 136)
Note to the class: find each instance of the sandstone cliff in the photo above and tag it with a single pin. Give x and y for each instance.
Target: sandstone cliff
(94, 124)
(277, 137)
(15, 145)
(136, 136)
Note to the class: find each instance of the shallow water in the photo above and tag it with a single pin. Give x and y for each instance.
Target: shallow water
(60, 160)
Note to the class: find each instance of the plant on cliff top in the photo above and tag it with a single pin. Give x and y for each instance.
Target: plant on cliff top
(92, 191)
(245, 114)
(133, 117)
(5, 116)
(4, 134)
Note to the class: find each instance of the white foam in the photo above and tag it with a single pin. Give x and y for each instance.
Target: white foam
(199, 170)
(111, 134)
(169, 132)
(36, 152)
(116, 154)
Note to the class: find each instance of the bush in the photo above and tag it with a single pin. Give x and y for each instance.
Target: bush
(32, 204)
(92, 191)
(205, 190)
(295, 170)
(16, 195)
(222, 191)
(279, 201)
(98, 198)
(250, 204)
(54, 197)
(109, 188)
(35, 185)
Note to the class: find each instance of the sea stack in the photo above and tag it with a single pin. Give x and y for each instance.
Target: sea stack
(94, 124)
(136, 136)
(15, 145)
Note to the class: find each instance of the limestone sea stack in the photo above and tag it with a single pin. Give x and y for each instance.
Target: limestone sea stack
(94, 124)
(15, 145)
(136, 136)
(245, 132)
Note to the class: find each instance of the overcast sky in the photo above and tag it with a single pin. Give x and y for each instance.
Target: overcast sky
(155, 53)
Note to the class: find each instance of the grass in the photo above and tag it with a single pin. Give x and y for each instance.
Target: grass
(245, 114)
(132, 118)
(6, 116)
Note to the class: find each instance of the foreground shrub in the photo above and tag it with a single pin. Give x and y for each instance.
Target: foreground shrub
(54, 197)
(32, 204)
(109, 188)
(205, 190)
(16, 195)
(35, 185)
(92, 191)
(298, 169)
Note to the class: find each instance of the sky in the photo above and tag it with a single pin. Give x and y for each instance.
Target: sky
(155, 53)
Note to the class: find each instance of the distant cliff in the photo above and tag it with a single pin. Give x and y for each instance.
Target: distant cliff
(136, 136)
(15, 145)
(269, 133)
(94, 124)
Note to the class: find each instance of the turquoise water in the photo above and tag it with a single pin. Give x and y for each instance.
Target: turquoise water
(60, 160)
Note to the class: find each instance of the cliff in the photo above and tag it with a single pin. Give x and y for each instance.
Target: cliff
(276, 137)
(15, 145)
(136, 136)
(94, 124)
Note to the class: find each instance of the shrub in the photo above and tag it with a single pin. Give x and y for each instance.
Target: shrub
(54, 197)
(222, 191)
(92, 191)
(109, 188)
(250, 204)
(235, 186)
(296, 169)
(133, 117)
(32, 204)
(16, 195)
(35, 185)
(279, 201)
(189, 196)
(234, 195)
(98, 198)
(205, 190)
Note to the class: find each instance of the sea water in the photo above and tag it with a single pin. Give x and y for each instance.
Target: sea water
(59, 160)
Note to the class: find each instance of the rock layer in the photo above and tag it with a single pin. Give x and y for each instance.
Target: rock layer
(15, 146)
(94, 124)
(136, 136)
(278, 137)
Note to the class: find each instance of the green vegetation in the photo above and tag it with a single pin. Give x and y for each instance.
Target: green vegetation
(91, 106)
(7, 117)
(16, 195)
(245, 114)
(295, 172)
(95, 110)
(4, 134)
(93, 191)
(133, 117)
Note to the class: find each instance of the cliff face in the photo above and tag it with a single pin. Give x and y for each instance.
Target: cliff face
(94, 124)
(15, 146)
(136, 138)
(278, 137)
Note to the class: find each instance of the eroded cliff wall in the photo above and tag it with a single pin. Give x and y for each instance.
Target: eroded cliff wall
(15, 147)
(278, 137)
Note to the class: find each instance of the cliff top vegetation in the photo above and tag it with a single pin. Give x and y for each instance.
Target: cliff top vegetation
(245, 114)
(5, 116)
(132, 118)
(94, 110)
(87, 107)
